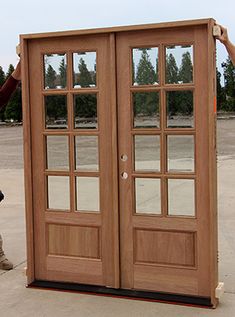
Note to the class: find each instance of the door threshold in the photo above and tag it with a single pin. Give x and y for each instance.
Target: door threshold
(187, 300)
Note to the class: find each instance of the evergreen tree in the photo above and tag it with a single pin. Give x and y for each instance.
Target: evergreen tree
(2, 76)
(50, 77)
(133, 71)
(145, 74)
(86, 106)
(229, 77)
(84, 79)
(157, 76)
(229, 87)
(171, 70)
(186, 69)
(56, 108)
(13, 109)
(10, 70)
(146, 103)
(2, 80)
(221, 99)
(62, 71)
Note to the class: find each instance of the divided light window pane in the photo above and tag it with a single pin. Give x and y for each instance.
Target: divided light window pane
(55, 71)
(145, 66)
(84, 70)
(179, 64)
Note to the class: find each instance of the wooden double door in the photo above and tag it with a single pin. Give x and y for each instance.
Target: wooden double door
(122, 159)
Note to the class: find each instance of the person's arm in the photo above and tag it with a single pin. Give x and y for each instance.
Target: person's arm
(223, 38)
(9, 86)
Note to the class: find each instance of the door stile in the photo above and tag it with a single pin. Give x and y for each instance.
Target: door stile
(125, 187)
(109, 153)
(212, 165)
(202, 167)
(28, 177)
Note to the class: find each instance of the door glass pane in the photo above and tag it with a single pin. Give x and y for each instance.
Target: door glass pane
(181, 200)
(56, 112)
(57, 152)
(180, 151)
(87, 152)
(148, 195)
(85, 111)
(84, 69)
(145, 66)
(179, 64)
(88, 194)
(179, 106)
(55, 71)
(58, 192)
(146, 111)
(147, 152)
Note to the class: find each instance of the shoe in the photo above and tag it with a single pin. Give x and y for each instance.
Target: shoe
(6, 265)
(1, 196)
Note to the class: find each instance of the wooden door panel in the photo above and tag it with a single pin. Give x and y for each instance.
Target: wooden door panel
(165, 242)
(75, 221)
(165, 279)
(170, 248)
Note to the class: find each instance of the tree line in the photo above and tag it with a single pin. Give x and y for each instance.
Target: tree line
(13, 110)
(145, 73)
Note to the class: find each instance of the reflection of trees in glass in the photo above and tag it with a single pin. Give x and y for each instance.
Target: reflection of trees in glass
(133, 70)
(62, 71)
(157, 77)
(50, 77)
(145, 71)
(146, 104)
(56, 108)
(171, 70)
(221, 97)
(186, 68)
(84, 79)
(179, 102)
(86, 106)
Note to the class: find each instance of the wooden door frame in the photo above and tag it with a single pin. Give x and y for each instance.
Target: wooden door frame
(24, 43)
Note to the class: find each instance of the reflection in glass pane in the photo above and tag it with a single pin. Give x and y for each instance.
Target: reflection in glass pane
(56, 112)
(84, 69)
(85, 111)
(148, 195)
(55, 69)
(180, 153)
(181, 197)
(145, 66)
(88, 194)
(179, 64)
(146, 110)
(57, 152)
(58, 192)
(147, 152)
(87, 152)
(179, 109)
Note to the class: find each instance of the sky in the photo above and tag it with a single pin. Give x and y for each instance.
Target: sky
(28, 16)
